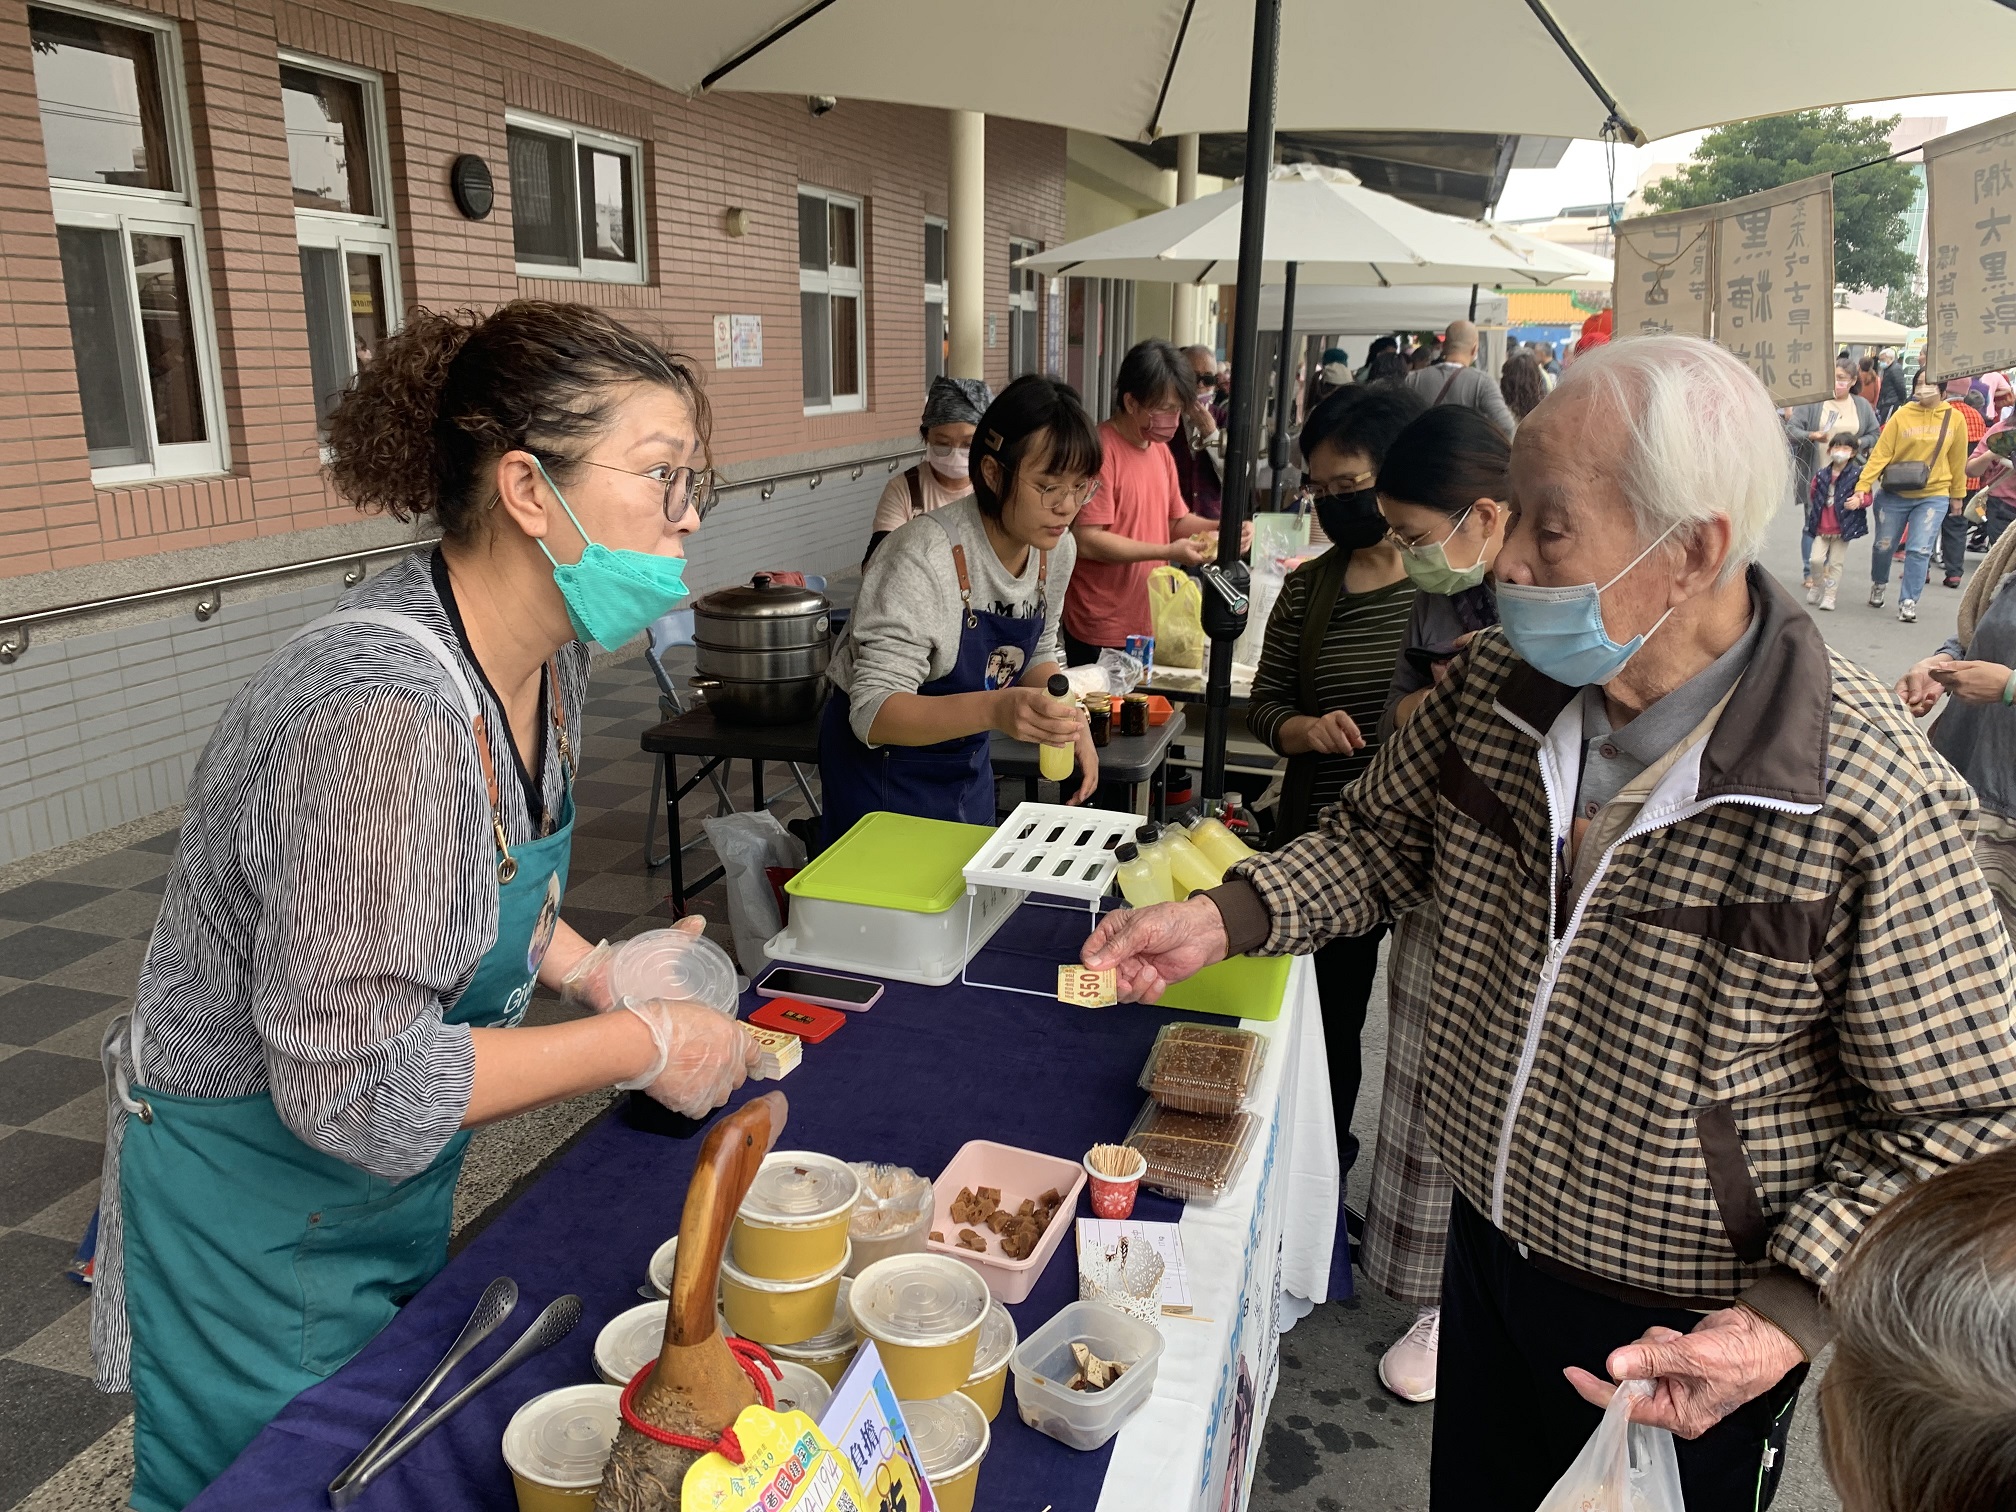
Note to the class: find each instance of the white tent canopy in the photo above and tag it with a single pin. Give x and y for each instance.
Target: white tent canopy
(1139, 69)
(1334, 229)
(1337, 311)
(1859, 328)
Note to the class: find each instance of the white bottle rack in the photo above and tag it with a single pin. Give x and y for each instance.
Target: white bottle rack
(1048, 852)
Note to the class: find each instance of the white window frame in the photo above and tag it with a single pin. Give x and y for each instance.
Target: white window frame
(126, 210)
(589, 269)
(342, 233)
(1021, 300)
(849, 283)
(940, 293)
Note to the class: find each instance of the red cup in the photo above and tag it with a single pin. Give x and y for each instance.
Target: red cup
(1113, 1197)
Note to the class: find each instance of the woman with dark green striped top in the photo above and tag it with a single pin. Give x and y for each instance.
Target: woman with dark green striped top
(1325, 666)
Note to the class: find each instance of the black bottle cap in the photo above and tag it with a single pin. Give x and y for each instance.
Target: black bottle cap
(1126, 850)
(1059, 685)
(1148, 834)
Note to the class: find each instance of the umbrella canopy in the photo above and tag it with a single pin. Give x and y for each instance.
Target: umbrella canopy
(1595, 275)
(1338, 311)
(1327, 223)
(1139, 69)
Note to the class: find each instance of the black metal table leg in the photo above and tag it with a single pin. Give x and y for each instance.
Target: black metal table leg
(673, 793)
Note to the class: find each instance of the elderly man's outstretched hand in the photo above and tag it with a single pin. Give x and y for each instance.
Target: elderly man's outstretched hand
(1730, 1357)
(1151, 948)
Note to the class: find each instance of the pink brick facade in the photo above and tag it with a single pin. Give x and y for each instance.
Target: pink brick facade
(447, 84)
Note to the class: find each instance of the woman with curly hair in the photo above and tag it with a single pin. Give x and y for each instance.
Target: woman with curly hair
(367, 885)
(1521, 383)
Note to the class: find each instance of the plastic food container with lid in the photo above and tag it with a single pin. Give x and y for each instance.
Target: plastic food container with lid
(780, 1312)
(990, 1364)
(1203, 1068)
(801, 1389)
(629, 1340)
(557, 1444)
(670, 963)
(1043, 1366)
(793, 1224)
(951, 1437)
(889, 899)
(827, 1353)
(924, 1313)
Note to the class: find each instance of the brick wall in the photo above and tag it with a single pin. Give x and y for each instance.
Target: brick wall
(448, 82)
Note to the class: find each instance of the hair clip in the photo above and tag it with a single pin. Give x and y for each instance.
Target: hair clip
(993, 440)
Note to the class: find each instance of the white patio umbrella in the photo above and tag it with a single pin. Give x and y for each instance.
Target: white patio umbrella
(1329, 227)
(1142, 69)
(1853, 327)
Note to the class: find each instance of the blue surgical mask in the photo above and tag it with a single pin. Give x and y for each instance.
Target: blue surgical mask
(612, 595)
(1559, 632)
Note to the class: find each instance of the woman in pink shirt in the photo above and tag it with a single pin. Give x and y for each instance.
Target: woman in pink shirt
(1137, 517)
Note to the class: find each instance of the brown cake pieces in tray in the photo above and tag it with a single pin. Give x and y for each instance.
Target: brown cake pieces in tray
(1200, 1068)
(1189, 1154)
(1020, 1230)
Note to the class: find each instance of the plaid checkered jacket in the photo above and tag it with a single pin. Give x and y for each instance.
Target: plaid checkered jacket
(1783, 996)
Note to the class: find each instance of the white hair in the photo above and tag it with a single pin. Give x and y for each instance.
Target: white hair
(1701, 438)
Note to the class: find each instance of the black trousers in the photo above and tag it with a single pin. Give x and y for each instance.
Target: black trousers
(1507, 1423)
(1344, 972)
(1079, 653)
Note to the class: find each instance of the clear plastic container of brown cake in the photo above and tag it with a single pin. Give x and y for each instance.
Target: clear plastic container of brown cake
(1191, 1155)
(1202, 1068)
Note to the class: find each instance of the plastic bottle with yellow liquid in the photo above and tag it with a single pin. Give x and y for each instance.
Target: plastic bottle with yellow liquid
(1220, 846)
(1147, 839)
(1141, 881)
(1055, 761)
(1188, 868)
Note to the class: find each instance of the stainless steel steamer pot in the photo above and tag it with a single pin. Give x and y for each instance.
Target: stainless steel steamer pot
(761, 650)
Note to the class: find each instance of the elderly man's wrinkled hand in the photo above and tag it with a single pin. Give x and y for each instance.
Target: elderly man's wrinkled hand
(1978, 682)
(1919, 689)
(1732, 1356)
(1149, 949)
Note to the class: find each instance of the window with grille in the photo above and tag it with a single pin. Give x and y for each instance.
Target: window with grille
(576, 201)
(1025, 334)
(832, 303)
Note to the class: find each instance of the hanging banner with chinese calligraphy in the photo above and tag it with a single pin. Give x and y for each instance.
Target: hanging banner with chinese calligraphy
(1774, 286)
(1662, 272)
(1970, 230)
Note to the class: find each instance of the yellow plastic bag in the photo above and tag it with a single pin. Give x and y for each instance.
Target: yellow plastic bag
(1176, 609)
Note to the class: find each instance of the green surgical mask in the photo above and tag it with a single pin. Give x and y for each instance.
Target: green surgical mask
(1428, 566)
(612, 595)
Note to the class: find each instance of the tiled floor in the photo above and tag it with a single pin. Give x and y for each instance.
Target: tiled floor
(71, 945)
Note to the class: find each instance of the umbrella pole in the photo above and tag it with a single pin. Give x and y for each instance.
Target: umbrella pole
(1277, 454)
(1221, 621)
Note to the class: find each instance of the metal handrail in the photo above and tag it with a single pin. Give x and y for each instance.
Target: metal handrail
(14, 631)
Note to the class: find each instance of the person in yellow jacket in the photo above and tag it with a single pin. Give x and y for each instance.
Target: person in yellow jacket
(1916, 475)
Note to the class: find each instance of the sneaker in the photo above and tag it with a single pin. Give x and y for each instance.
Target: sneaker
(1812, 591)
(1827, 600)
(1408, 1368)
(1876, 592)
(1952, 580)
(1907, 611)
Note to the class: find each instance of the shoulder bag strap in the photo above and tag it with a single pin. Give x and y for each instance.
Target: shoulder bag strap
(1299, 783)
(916, 486)
(1447, 384)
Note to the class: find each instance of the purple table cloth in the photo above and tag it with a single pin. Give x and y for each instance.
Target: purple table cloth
(909, 1081)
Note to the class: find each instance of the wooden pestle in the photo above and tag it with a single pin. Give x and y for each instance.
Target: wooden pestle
(698, 1388)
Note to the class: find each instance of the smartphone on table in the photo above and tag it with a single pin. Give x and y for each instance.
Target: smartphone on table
(827, 989)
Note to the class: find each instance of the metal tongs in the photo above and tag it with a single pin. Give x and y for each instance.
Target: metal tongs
(496, 1304)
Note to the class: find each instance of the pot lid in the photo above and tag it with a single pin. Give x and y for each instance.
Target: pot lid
(563, 1439)
(949, 1432)
(762, 598)
(800, 1187)
(919, 1300)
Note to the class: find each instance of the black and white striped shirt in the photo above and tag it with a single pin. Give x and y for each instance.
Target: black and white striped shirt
(334, 890)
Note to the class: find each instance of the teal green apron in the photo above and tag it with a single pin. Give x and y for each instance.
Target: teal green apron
(256, 1265)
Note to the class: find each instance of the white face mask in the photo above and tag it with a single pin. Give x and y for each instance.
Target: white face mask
(949, 461)
(1842, 456)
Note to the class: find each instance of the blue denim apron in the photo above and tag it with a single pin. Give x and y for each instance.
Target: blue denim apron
(257, 1265)
(953, 779)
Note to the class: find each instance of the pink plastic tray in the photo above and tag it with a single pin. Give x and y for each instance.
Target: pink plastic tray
(1021, 1175)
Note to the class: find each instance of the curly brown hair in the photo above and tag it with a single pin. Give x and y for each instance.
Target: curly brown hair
(452, 391)
(1521, 384)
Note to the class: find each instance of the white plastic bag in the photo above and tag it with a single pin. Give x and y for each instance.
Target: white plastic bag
(746, 844)
(1625, 1466)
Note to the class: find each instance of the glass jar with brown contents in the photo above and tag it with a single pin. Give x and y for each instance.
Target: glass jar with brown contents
(1099, 714)
(1134, 714)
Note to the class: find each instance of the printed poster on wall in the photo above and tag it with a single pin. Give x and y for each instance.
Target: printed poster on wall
(1662, 273)
(1774, 286)
(1970, 230)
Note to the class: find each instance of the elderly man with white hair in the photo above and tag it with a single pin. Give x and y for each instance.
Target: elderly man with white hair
(1718, 974)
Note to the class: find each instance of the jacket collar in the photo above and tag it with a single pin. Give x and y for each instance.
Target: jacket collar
(1771, 741)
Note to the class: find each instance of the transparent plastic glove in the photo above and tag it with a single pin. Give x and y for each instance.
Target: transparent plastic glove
(702, 1056)
(587, 985)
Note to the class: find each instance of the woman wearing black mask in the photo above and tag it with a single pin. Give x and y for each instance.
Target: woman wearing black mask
(1325, 666)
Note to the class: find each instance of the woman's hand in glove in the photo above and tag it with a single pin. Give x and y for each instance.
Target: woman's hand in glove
(587, 985)
(702, 1056)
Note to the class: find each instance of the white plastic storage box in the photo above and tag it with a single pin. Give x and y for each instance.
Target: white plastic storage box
(1043, 1364)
